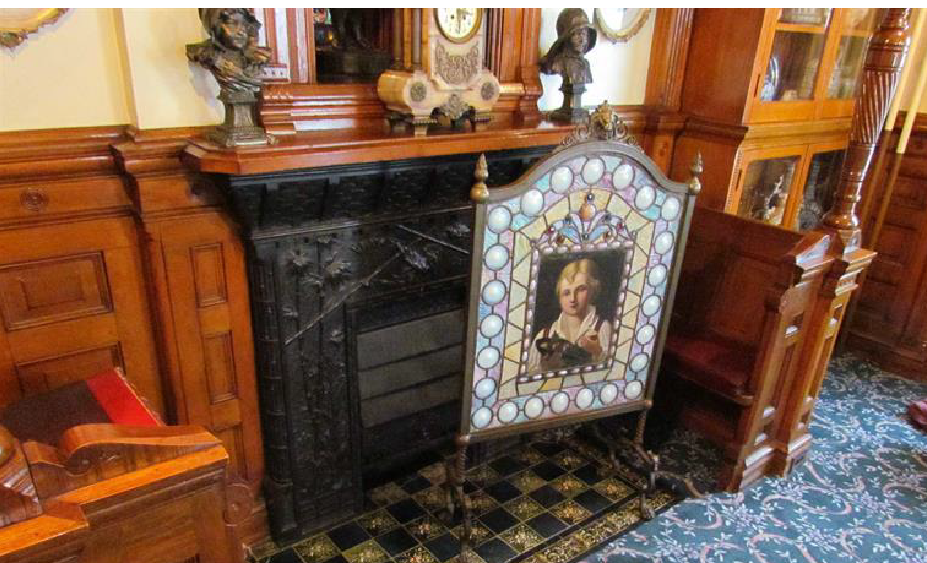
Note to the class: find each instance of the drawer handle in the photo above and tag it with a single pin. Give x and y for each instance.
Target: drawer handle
(34, 199)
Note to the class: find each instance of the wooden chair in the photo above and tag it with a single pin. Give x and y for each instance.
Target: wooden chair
(744, 297)
(121, 488)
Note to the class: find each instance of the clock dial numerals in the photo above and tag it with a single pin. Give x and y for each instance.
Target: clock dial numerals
(458, 24)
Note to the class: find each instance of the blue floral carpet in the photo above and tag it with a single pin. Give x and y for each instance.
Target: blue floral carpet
(861, 494)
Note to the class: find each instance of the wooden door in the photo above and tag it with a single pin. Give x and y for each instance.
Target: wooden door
(766, 177)
(73, 303)
(845, 57)
(791, 63)
(814, 191)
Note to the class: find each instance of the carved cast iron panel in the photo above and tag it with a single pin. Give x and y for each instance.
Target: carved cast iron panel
(337, 254)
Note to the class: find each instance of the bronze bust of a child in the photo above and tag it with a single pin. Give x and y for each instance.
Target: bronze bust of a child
(566, 57)
(233, 56)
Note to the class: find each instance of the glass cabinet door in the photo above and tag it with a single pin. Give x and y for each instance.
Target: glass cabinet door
(855, 28)
(765, 189)
(818, 193)
(788, 87)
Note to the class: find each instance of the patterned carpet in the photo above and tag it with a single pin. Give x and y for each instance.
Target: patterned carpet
(860, 497)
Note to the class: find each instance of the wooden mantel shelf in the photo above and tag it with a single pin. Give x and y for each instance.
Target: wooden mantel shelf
(327, 148)
(312, 149)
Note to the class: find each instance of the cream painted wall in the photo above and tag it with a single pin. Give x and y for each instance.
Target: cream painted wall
(168, 90)
(917, 60)
(66, 75)
(619, 70)
(99, 67)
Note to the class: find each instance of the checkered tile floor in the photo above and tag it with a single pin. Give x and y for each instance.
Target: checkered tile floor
(543, 503)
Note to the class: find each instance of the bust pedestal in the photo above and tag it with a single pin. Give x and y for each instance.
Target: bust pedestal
(572, 109)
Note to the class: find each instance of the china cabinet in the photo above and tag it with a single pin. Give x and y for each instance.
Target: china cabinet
(769, 94)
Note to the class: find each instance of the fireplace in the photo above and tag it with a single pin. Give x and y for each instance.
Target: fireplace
(357, 279)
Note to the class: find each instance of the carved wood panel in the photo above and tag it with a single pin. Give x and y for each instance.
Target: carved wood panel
(202, 291)
(46, 291)
(73, 302)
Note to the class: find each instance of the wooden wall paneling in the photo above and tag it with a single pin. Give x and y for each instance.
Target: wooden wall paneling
(74, 301)
(199, 289)
(669, 51)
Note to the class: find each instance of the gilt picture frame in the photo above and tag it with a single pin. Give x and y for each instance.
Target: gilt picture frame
(16, 24)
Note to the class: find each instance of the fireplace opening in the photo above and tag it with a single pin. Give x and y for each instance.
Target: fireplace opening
(409, 368)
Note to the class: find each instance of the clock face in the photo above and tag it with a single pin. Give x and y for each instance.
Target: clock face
(458, 24)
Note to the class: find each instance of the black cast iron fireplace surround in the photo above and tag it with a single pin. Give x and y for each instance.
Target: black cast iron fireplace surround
(357, 281)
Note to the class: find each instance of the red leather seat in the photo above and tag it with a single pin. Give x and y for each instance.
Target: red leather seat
(722, 367)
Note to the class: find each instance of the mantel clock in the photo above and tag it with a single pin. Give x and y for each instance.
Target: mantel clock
(448, 80)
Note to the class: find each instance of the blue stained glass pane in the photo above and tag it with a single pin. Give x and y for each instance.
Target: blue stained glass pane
(597, 232)
(652, 213)
(489, 238)
(571, 233)
(520, 221)
(611, 162)
(543, 184)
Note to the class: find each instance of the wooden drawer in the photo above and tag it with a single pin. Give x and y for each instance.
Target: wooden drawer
(50, 198)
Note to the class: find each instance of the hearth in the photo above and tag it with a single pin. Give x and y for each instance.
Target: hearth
(357, 277)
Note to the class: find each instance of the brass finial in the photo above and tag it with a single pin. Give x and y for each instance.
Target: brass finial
(695, 185)
(479, 192)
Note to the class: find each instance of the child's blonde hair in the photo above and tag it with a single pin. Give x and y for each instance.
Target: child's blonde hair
(581, 266)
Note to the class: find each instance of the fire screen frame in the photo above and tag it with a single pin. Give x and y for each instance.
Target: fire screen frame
(574, 186)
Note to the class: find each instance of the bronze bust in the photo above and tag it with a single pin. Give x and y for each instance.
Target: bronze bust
(233, 56)
(566, 57)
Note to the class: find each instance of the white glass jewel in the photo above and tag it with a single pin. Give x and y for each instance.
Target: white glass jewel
(608, 393)
(639, 362)
(532, 202)
(484, 388)
(651, 305)
(499, 219)
(496, 257)
(622, 176)
(592, 170)
(491, 325)
(657, 275)
(508, 412)
(482, 417)
(493, 292)
(534, 407)
(488, 357)
(664, 242)
(633, 389)
(584, 398)
(645, 334)
(644, 198)
(561, 179)
(670, 208)
(560, 402)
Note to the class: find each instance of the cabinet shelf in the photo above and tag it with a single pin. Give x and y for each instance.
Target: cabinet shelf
(802, 28)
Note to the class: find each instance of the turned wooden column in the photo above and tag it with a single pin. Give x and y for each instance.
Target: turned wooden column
(884, 61)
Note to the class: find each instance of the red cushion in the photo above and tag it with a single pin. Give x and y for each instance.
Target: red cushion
(715, 364)
(104, 398)
(120, 401)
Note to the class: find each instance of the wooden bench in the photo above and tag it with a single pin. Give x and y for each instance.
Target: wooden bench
(110, 491)
(744, 299)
